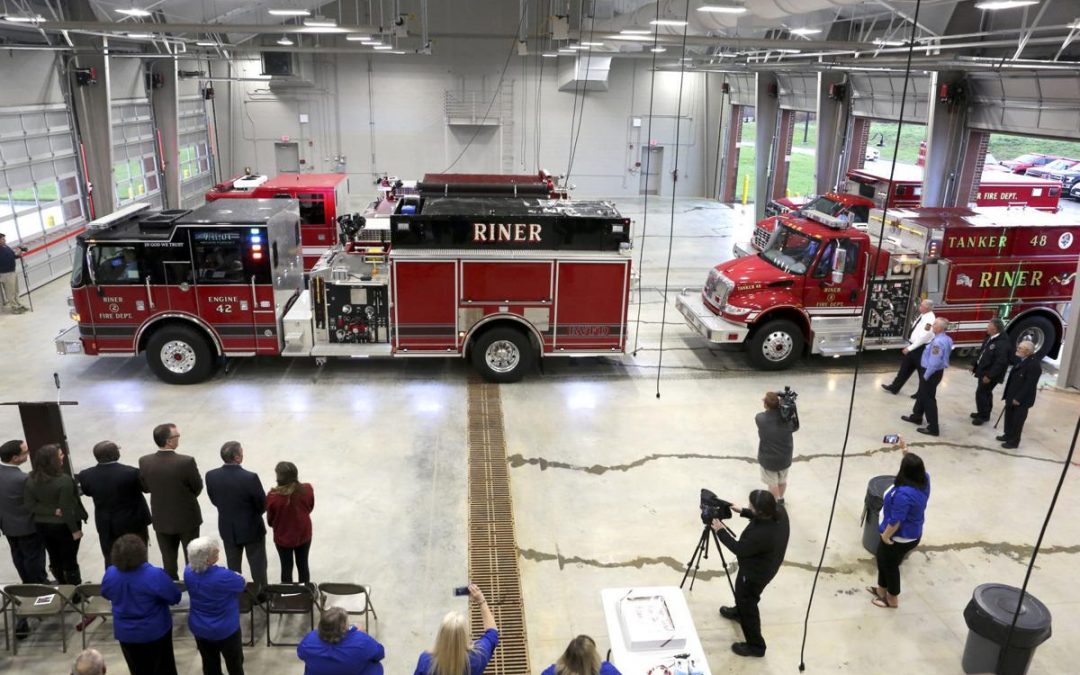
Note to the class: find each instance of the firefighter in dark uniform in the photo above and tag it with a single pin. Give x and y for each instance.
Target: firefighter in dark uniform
(989, 369)
(1019, 393)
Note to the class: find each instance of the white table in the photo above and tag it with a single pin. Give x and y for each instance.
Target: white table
(639, 662)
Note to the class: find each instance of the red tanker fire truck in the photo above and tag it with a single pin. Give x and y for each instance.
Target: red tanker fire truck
(808, 289)
(498, 281)
(996, 188)
(852, 208)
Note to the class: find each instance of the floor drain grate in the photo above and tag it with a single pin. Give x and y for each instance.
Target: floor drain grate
(493, 561)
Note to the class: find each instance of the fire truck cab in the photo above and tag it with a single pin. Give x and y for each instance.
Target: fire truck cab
(849, 207)
(809, 287)
(498, 281)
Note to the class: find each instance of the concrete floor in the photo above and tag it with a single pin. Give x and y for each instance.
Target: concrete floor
(605, 479)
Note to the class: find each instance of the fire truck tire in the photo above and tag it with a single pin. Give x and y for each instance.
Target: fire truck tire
(775, 345)
(1038, 329)
(502, 354)
(180, 355)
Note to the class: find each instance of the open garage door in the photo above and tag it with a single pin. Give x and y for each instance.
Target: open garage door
(795, 151)
(737, 175)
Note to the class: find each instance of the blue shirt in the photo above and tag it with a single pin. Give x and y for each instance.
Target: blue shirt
(936, 355)
(478, 656)
(7, 259)
(906, 505)
(140, 602)
(605, 669)
(215, 602)
(357, 654)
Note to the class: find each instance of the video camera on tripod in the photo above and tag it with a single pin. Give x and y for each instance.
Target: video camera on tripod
(788, 411)
(713, 508)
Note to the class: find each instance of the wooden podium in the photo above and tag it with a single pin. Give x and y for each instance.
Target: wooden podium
(43, 423)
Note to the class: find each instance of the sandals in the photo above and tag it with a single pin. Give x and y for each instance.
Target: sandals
(872, 590)
(882, 602)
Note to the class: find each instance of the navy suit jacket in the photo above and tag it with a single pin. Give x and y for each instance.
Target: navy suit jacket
(240, 500)
(1023, 382)
(119, 505)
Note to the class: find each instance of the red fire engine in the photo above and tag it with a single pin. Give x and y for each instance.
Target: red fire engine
(817, 274)
(322, 197)
(848, 207)
(996, 188)
(498, 281)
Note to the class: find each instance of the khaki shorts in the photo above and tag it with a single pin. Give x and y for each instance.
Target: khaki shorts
(773, 478)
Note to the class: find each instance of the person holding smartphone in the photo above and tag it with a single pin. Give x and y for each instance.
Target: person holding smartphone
(453, 653)
(903, 515)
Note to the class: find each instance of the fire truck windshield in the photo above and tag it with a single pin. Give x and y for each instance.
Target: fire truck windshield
(825, 205)
(791, 250)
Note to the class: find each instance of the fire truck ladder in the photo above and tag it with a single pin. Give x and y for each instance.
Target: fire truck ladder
(493, 559)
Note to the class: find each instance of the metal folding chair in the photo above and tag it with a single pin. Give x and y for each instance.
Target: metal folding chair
(344, 590)
(91, 605)
(40, 601)
(248, 602)
(283, 599)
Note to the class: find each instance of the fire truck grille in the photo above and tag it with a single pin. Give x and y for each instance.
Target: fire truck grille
(493, 559)
(761, 238)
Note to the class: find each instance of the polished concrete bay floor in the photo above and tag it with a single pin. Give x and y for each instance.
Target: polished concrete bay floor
(605, 479)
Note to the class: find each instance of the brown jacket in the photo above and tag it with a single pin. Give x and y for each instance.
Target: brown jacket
(174, 484)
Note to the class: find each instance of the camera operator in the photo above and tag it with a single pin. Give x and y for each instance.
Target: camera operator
(760, 550)
(9, 279)
(775, 446)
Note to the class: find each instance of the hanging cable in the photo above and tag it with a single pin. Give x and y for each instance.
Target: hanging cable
(674, 189)
(576, 136)
(647, 169)
(1038, 544)
(573, 103)
(494, 96)
(862, 336)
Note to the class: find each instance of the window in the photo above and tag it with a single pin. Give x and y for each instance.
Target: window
(851, 263)
(135, 153)
(219, 257)
(312, 209)
(115, 265)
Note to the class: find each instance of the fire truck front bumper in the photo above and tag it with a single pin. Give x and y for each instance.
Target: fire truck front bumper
(710, 326)
(69, 342)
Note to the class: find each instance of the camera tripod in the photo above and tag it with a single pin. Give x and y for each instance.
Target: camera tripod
(702, 551)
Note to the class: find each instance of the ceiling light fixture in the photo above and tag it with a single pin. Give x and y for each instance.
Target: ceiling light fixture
(320, 22)
(37, 18)
(550, 55)
(805, 31)
(358, 38)
(290, 12)
(397, 52)
(382, 48)
(285, 41)
(633, 38)
(593, 44)
(635, 31)
(371, 43)
(566, 50)
(141, 36)
(992, 5)
(658, 50)
(205, 43)
(133, 11)
(722, 9)
(579, 48)
(678, 23)
(889, 43)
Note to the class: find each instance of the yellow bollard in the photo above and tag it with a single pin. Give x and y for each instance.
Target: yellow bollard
(787, 192)
(745, 189)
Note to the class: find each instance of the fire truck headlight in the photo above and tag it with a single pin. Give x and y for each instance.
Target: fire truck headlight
(74, 316)
(735, 310)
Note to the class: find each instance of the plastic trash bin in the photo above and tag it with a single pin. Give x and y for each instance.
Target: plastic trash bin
(988, 617)
(872, 503)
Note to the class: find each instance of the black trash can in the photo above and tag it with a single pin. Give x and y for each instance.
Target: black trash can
(988, 617)
(872, 503)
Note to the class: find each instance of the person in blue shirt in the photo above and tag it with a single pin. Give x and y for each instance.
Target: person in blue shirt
(581, 658)
(140, 595)
(903, 515)
(452, 653)
(336, 648)
(214, 619)
(935, 359)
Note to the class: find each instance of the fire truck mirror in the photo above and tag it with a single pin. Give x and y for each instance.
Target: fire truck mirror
(839, 262)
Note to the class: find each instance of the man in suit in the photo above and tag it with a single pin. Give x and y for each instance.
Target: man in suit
(241, 501)
(27, 546)
(174, 484)
(922, 332)
(989, 369)
(1019, 393)
(119, 505)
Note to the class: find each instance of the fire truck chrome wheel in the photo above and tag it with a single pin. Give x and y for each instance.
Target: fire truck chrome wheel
(776, 345)
(1037, 330)
(178, 357)
(502, 356)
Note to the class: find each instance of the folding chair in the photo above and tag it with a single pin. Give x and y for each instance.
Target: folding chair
(248, 602)
(91, 605)
(40, 601)
(344, 590)
(289, 599)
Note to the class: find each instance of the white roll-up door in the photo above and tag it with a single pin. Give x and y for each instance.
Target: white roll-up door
(879, 96)
(1036, 104)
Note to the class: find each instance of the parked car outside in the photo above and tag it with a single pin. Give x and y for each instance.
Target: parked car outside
(1045, 170)
(1028, 160)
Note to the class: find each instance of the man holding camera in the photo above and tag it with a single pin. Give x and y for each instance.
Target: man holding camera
(775, 446)
(760, 550)
(9, 280)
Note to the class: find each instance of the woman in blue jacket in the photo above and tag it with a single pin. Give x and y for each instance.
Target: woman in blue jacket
(214, 619)
(454, 653)
(140, 595)
(901, 526)
(581, 658)
(337, 648)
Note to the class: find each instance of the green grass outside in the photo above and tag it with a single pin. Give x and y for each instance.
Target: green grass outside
(1004, 147)
(800, 172)
(48, 192)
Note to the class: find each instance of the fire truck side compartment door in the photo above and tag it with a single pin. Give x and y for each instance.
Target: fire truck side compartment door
(223, 287)
(120, 304)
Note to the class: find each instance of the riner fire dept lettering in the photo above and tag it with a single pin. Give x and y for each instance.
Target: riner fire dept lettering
(496, 232)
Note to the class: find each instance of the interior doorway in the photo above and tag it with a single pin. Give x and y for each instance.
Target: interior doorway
(652, 166)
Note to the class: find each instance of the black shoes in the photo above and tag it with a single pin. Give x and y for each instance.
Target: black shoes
(914, 396)
(22, 629)
(928, 431)
(729, 613)
(1010, 445)
(743, 649)
(889, 389)
(911, 418)
(1002, 437)
(979, 421)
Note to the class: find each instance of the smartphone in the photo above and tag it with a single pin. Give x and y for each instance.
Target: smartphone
(891, 439)
(461, 590)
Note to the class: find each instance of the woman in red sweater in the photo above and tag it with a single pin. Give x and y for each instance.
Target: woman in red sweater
(288, 510)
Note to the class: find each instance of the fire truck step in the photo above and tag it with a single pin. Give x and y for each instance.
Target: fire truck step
(493, 560)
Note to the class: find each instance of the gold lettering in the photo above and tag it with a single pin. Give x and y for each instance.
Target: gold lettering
(534, 232)
(479, 232)
(504, 232)
(984, 279)
(1036, 278)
